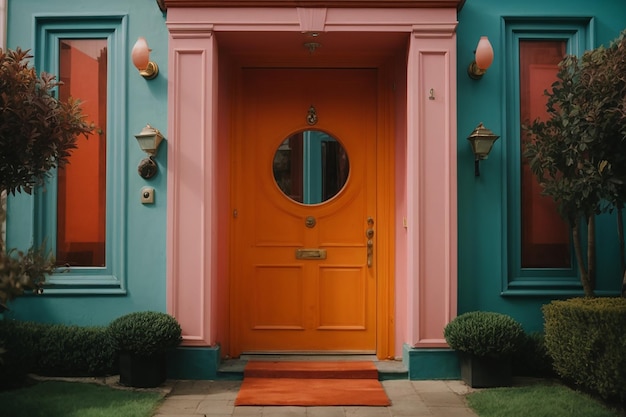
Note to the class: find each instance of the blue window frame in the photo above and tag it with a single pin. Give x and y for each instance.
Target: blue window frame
(577, 33)
(49, 32)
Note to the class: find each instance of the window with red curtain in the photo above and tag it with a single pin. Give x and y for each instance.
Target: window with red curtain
(545, 235)
(81, 187)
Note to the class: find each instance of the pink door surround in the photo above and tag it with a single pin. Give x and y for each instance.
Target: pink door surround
(206, 43)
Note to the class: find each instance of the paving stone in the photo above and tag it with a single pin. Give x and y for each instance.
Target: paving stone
(430, 386)
(248, 411)
(398, 389)
(442, 399)
(325, 412)
(211, 407)
(367, 412)
(412, 407)
(287, 411)
(459, 387)
(184, 387)
(179, 406)
(452, 412)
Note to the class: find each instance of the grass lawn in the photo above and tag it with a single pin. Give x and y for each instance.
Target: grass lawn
(74, 399)
(541, 400)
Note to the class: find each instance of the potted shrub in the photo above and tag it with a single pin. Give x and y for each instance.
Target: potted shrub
(485, 342)
(143, 339)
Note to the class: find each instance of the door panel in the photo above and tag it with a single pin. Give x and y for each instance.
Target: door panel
(281, 303)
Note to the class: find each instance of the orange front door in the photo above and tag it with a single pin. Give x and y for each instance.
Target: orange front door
(304, 270)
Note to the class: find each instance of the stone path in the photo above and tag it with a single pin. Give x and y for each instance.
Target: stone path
(408, 398)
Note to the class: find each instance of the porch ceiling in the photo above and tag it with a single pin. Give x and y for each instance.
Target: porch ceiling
(334, 48)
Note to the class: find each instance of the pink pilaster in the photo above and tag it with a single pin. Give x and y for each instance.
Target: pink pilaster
(191, 245)
(431, 184)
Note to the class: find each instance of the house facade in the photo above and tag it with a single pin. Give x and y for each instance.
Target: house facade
(315, 191)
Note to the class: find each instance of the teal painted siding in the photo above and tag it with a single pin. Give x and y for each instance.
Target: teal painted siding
(484, 214)
(484, 217)
(194, 363)
(140, 243)
(426, 363)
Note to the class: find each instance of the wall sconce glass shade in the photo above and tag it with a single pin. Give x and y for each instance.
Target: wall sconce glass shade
(141, 59)
(149, 139)
(483, 57)
(482, 140)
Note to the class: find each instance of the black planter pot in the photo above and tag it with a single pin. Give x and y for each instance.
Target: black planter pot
(142, 371)
(484, 372)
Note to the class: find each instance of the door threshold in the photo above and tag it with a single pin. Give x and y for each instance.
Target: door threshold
(304, 357)
(387, 369)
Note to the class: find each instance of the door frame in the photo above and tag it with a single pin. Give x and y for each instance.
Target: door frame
(385, 209)
(423, 258)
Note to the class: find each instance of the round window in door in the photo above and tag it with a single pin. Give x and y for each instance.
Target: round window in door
(311, 167)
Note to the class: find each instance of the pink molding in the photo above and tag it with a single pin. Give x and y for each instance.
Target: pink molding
(359, 4)
(296, 19)
(311, 20)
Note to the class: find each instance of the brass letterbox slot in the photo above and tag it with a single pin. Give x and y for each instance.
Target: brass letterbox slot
(310, 253)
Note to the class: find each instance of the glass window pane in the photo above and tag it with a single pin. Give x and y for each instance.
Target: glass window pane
(311, 167)
(81, 193)
(545, 236)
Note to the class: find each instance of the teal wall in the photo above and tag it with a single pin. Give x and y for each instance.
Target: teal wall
(482, 216)
(144, 225)
(482, 211)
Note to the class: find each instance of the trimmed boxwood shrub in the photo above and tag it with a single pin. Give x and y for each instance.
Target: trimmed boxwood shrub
(76, 351)
(145, 333)
(587, 342)
(485, 334)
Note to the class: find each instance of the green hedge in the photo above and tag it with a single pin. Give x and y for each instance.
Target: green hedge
(53, 349)
(76, 351)
(586, 338)
(20, 342)
(532, 359)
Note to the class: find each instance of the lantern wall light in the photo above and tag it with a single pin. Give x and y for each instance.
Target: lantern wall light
(141, 59)
(482, 140)
(483, 57)
(149, 139)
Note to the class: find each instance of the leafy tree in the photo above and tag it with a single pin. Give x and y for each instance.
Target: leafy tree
(579, 153)
(37, 133)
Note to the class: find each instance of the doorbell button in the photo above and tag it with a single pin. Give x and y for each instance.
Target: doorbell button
(147, 195)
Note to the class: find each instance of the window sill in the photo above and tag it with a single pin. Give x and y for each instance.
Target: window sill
(85, 284)
(549, 288)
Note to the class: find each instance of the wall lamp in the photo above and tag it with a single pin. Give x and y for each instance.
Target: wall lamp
(149, 139)
(141, 59)
(483, 57)
(482, 140)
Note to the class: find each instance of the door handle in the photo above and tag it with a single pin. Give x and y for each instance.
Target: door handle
(369, 233)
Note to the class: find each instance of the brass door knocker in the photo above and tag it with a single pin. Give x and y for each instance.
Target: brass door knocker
(311, 117)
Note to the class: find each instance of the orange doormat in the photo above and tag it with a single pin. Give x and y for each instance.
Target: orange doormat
(311, 384)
